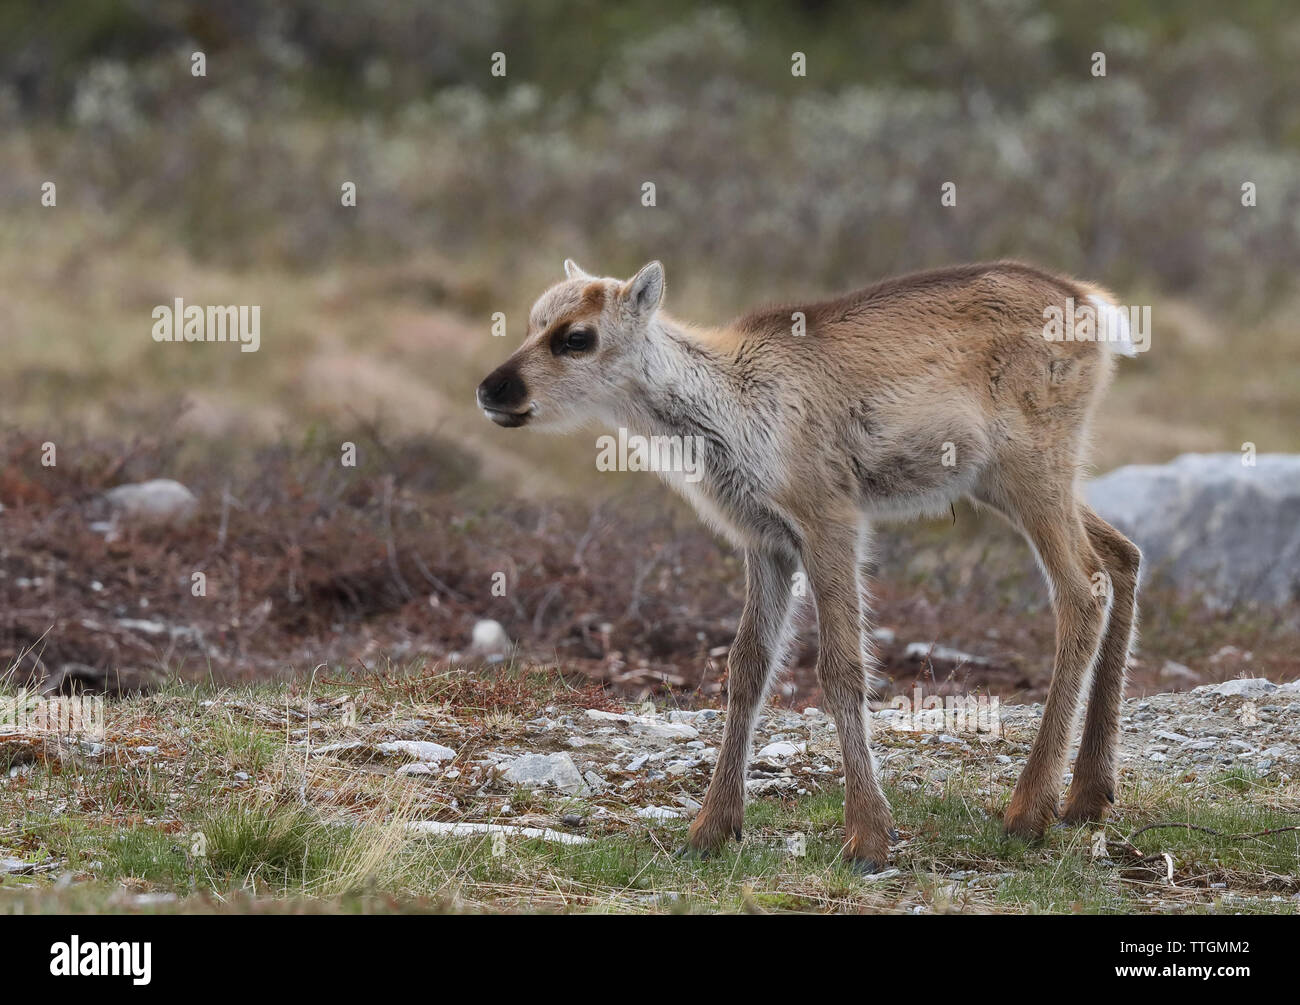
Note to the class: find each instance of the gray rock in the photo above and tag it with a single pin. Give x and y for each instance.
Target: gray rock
(1212, 525)
(546, 770)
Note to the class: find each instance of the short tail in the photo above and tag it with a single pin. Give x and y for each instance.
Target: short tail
(1113, 328)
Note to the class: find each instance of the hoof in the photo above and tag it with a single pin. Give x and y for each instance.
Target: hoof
(1087, 810)
(864, 866)
(692, 854)
(1089, 800)
(1028, 826)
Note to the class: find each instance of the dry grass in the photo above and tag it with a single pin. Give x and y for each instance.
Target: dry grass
(180, 829)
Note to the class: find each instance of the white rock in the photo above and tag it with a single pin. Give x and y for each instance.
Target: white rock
(465, 829)
(600, 715)
(419, 750)
(1178, 671)
(420, 768)
(159, 501)
(780, 751)
(142, 625)
(658, 813)
(926, 650)
(1245, 687)
(666, 730)
(337, 748)
(646, 725)
(489, 638)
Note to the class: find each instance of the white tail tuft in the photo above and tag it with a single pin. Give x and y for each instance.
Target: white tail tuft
(1113, 326)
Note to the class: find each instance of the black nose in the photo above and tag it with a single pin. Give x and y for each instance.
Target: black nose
(503, 388)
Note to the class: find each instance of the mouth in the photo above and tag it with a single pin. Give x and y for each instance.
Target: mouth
(510, 420)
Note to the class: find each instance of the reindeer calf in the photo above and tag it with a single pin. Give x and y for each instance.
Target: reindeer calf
(898, 399)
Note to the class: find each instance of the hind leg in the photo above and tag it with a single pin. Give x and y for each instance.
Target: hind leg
(1071, 566)
(1092, 790)
(1041, 502)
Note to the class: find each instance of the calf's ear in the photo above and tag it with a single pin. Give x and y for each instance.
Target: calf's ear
(645, 291)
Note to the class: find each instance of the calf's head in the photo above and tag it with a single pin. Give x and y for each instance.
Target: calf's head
(584, 347)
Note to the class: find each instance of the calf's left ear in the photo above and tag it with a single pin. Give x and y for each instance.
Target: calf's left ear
(644, 291)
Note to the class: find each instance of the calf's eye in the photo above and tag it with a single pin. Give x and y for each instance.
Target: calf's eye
(579, 340)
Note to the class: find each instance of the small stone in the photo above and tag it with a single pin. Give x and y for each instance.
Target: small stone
(538, 770)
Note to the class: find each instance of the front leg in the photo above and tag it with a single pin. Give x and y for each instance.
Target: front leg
(832, 559)
(754, 657)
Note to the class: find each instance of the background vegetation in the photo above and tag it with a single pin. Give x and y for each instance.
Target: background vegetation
(472, 188)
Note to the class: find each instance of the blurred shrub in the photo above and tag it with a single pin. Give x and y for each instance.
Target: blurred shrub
(779, 182)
